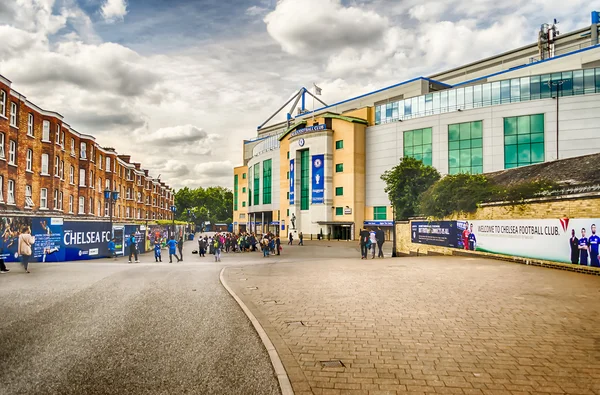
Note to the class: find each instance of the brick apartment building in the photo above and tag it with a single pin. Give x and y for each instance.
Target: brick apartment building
(48, 168)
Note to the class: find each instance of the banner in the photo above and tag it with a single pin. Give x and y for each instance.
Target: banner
(438, 233)
(86, 240)
(46, 231)
(318, 179)
(292, 171)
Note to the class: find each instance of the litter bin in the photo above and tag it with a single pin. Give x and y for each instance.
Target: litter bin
(191, 237)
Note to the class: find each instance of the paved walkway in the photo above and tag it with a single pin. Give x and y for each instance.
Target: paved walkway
(100, 327)
(437, 325)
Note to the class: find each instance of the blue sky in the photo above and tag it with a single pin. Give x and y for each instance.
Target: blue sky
(179, 84)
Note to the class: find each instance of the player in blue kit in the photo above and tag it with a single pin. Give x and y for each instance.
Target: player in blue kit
(594, 243)
(472, 239)
(157, 252)
(583, 248)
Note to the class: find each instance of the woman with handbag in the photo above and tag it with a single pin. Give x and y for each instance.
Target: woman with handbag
(26, 240)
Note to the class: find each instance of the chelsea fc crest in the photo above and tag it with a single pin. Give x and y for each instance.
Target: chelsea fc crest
(301, 142)
(318, 163)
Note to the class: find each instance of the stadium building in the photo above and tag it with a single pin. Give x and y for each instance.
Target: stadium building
(319, 171)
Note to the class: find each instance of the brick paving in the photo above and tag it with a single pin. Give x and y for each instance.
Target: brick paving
(428, 325)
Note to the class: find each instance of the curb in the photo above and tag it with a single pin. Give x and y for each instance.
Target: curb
(282, 377)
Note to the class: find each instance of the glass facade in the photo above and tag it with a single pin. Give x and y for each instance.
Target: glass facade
(304, 179)
(568, 83)
(379, 213)
(256, 184)
(250, 187)
(465, 148)
(417, 144)
(523, 140)
(267, 181)
(235, 192)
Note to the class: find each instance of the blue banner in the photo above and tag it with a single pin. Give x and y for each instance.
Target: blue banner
(46, 231)
(439, 233)
(292, 171)
(318, 179)
(86, 240)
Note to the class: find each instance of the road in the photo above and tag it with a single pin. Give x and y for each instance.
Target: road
(101, 327)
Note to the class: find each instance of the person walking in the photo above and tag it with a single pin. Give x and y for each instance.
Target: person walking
(301, 238)
(291, 239)
(172, 249)
(201, 247)
(278, 245)
(3, 268)
(364, 238)
(112, 249)
(373, 243)
(217, 246)
(157, 251)
(26, 240)
(133, 248)
(380, 236)
(180, 248)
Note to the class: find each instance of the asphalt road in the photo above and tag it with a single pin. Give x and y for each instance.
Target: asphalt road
(102, 327)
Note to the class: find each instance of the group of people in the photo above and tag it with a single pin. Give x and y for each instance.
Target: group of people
(370, 241)
(300, 239)
(585, 250)
(242, 242)
(468, 238)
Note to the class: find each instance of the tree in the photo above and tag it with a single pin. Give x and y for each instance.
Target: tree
(456, 193)
(406, 182)
(214, 204)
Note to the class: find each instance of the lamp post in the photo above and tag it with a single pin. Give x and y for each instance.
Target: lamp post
(558, 84)
(394, 252)
(173, 210)
(111, 197)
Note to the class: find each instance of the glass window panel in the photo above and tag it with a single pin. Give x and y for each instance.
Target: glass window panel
(477, 157)
(598, 80)
(465, 144)
(589, 82)
(537, 153)
(418, 137)
(465, 169)
(427, 148)
(505, 91)
(537, 137)
(476, 143)
(515, 90)
(477, 170)
(417, 149)
(545, 86)
(524, 138)
(465, 158)
(453, 158)
(378, 114)
(454, 145)
(510, 166)
(510, 140)
(578, 82)
(460, 98)
(487, 94)
(567, 87)
(534, 87)
(408, 151)
(427, 158)
(388, 110)
(524, 154)
(418, 156)
(427, 136)
(555, 77)
(421, 103)
(537, 123)
(401, 109)
(408, 138)
(395, 110)
(477, 95)
(452, 100)
(407, 108)
(444, 101)
(476, 129)
(510, 155)
(453, 132)
(453, 170)
(436, 103)
(465, 131)
(468, 97)
(429, 104)
(524, 87)
(523, 126)
(495, 92)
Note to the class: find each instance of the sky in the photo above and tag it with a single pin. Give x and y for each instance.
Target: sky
(179, 84)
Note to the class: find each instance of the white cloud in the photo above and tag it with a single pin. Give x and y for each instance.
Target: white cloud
(255, 10)
(114, 10)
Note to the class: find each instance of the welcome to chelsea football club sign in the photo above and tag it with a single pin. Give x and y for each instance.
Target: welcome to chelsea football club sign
(309, 129)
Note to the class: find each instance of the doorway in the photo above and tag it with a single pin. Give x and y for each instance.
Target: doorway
(342, 232)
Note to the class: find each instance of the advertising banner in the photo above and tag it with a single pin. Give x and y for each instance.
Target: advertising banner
(438, 233)
(46, 231)
(292, 178)
(547, 239)
(86, 240)
(318, 179)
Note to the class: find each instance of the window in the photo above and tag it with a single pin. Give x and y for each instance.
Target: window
(379, 213)
(11, 192)
(243, 204)
(44, 164)
(99, 210)
(56, 166)
(81, 205)
(267, 182)
(339, 144)
(28, 195)
(244, 190)
(83, 150)
(62, 170)
(339, 191)
(57, 137)
(100, 160)
(1, 189)
(92, 156)
(81, 177)
(12, 152)
(46, 131)
(29, 160)
(13, 114)
(2, 153)
(62, 140)
(107, 164)
(288, 154)
(60, 201)
(465, 152)
(91, 183)
(256, 184)
(339, 211)
(71, 204)
(99, 185)
(43, 198)
(3, 103)
(91, 206)
(72, 146)
(56, 199)
(235, 192)
(417, 144)
(339, 167)
(72, 175)
(304, 180)
(523, 140)
(243, 176)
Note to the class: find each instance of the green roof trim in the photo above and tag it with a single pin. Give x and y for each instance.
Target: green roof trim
(329, 115)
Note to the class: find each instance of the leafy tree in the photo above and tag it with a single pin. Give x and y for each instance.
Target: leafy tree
(406, 182)
(214, 204)
(456, 193)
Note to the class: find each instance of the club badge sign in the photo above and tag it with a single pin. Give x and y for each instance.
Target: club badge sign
(318, 190)
(292, 182)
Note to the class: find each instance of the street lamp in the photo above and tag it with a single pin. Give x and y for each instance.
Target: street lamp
(173, 210)
(111, 197)
(557, 84)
